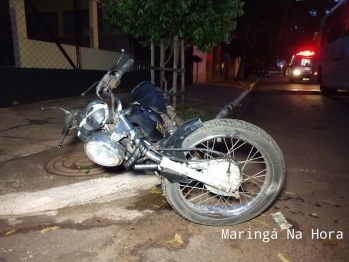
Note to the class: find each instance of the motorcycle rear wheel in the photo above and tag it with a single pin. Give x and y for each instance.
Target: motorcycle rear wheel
(245, 148)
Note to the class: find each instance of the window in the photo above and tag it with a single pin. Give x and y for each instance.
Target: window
(301, 61)
(336, 25)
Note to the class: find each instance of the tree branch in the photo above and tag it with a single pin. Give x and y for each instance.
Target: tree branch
(169, 57)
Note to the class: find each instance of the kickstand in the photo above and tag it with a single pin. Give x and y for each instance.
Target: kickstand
(65, 131)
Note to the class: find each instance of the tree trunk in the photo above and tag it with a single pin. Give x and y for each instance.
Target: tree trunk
(162, 64)
(175, 62)
(183, 72)
(152, 63)
(241, 71)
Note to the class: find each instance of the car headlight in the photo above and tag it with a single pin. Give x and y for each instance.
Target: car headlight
(297, 72)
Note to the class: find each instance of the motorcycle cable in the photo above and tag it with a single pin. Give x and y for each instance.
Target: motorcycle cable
(88, 89)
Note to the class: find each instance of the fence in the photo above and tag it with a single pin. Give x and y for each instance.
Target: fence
(66, 34)
(43, 44)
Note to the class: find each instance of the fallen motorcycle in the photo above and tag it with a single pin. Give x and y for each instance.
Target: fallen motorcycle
(219, 172)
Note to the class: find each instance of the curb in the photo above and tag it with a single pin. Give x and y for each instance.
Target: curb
(229, 107)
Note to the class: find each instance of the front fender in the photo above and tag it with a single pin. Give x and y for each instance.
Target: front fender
(175, 141)
(177, 138)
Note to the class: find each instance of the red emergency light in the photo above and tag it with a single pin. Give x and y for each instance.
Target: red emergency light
(306, 53)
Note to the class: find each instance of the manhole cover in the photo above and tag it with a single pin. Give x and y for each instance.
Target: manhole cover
(73, 164)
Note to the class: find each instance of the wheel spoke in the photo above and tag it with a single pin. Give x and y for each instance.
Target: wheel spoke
(233, 147)
(241, 193)
(228, 202)
(248, 195)
(199, 196)
(191, 189)
(251, 162)
(240, 154)
(226, 145)
(206, 147)
(253, 178)
(249, 157)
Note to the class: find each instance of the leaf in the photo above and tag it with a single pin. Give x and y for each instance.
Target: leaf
(328, 201)
(49, 229)
(156, 19)
(122, 243)
(86, 169)
(177, 239)
(100, 219)
(12, 231)
(155, 190)
(282, 258)
(314, 215)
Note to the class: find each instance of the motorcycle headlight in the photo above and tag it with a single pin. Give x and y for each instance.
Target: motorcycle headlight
(101, 150)
(97, 113)
(297, 72)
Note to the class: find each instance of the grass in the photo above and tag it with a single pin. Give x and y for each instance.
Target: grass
(187, 114)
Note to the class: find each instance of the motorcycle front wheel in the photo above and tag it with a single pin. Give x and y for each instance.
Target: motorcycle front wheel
(236, 152)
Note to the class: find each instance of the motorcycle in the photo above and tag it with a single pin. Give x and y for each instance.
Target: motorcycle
(220, 172)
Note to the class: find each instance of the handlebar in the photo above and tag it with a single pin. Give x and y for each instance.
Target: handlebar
(124, 68)
(116, 64)
(109, 82)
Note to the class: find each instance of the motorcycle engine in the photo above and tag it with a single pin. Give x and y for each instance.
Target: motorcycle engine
(101, 150)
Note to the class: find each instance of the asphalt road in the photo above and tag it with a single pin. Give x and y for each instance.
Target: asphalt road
(137, 225)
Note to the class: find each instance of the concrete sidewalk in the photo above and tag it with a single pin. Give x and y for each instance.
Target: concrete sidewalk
(220, 96)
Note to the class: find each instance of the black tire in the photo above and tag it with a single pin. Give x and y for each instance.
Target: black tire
(326, 91)
(245, 137)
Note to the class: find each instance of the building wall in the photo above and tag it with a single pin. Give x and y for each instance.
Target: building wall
(233, 68)
(29, 85)
(199, 69)
(40, 54)
(38, 70)
(217, 63)
(214, 66)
